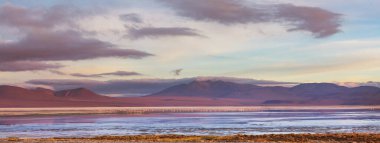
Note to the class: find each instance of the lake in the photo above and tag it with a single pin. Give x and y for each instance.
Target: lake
(210, 123)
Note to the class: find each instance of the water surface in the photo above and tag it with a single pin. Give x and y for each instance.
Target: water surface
(216, 123)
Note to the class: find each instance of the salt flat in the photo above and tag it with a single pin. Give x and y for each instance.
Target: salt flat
(142, 110)
(290, 138)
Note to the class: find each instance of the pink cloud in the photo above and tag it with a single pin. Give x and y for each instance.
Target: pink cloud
(37, 19)
(27, 66)
(116, 73)
(318, 21)
(42, 41)
(62, 46)
(154, 32)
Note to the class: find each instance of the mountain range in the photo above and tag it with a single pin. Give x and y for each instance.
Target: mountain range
(198, 93)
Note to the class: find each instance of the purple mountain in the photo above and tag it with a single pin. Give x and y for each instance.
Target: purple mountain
(308, 93)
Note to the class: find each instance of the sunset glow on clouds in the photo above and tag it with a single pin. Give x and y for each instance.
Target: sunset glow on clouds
(103, 42)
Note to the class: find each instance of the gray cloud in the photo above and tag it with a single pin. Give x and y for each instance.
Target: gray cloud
(37, 19)
(117, 73)
(222, 11)
(318, 21)
(66, 83)
(370, 83)
(142, 86)
(155, 32)
(85, 75)
(121, 73)
(43, 39)
(131, 17)
(26, 66)
(61, 46)
(57, 72)
(357, 84)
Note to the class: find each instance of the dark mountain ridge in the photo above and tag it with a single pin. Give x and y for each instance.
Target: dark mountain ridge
(13, 91)
(197, 93)
(79, 93)
(307, 93)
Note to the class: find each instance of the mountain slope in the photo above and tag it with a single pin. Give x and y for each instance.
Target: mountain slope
(318, 89)
(307, 94)
(210, 89)
(11, 96)
(197, 93)
(79, 93)
(13, 92)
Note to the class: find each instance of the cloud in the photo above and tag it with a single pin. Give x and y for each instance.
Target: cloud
(142, 86)
(222, 11)
(66, 83)
(37, 19)
(50, 34)
(370, 83)
(62, 46)
(156, 32)
(85, 75)
(2, 41)
(121, 73)
(318, 21)
(117, 73)
(357, 84)
(131, 17)
(177, 72)
(26, 66)
(57, 72)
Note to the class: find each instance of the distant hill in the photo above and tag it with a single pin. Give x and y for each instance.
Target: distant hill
(79, 93)
(18, 93)
(197, 93)
(306, 94)
(11, 96)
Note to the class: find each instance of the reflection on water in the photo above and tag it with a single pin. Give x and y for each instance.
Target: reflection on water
(222, 123)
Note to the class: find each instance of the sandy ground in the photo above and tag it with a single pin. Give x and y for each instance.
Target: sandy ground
(142, 110)
(291, 138)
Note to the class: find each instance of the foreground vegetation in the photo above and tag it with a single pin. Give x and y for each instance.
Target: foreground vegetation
(341, 137)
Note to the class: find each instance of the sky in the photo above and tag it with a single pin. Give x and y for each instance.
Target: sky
(129, 47)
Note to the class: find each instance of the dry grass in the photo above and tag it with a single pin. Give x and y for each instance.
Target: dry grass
(345, 137)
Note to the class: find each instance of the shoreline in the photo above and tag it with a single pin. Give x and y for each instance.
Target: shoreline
(172, 109)
(326, 137)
